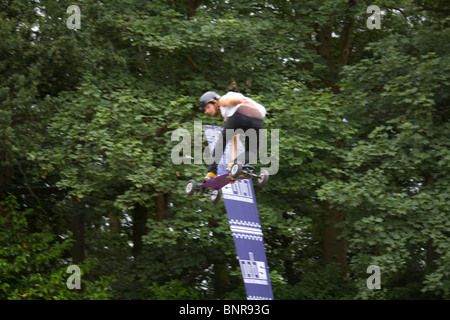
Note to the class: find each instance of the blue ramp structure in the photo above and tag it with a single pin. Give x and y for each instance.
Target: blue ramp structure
(243, 216)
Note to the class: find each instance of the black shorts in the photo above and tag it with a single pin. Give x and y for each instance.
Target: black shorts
(235, 122)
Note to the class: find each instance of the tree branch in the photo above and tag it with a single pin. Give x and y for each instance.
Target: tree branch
(29, 188)
(425, 8)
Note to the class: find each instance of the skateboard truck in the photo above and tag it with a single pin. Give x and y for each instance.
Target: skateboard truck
(192, 186)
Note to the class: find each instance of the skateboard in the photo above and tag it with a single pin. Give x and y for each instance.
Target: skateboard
(237, 172)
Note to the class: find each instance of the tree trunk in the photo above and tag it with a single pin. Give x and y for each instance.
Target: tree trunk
(191, 7)
(347, 35)
(221, 277)
(139, 228)
(325, 48)
(334, 246)
(221, 280)
(162, 205)
(78, 235)
(5, 180)
(114, 223)
(432, 255)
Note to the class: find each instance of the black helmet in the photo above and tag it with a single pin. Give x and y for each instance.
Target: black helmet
(206, 98)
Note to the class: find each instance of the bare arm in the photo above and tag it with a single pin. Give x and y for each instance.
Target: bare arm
(231, 99)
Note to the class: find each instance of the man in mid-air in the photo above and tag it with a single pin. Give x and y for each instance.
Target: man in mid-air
(239, 112)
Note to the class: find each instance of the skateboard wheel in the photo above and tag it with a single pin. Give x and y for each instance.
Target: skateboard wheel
(215, 196)
(263, 178)
(190, 187)
(236, 170)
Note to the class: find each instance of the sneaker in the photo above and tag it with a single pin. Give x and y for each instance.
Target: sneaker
(209, 176)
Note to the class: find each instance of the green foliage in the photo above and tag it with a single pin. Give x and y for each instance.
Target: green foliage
(34, 264)
(324, 283)
(86, 118)
(395, 177)
(174, 290)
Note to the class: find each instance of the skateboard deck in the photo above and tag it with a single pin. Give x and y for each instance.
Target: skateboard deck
(218, 182)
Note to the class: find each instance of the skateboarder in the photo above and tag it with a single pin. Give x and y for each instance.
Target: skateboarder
(239, 112)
